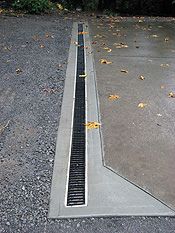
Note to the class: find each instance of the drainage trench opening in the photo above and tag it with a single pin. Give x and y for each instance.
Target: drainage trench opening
(77, 167)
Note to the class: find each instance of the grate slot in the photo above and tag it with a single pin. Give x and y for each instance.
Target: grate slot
(76, 179)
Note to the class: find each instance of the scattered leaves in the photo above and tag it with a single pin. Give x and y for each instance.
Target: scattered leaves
(142, 105)
(113, 97)
(92, 125)
(104, 61)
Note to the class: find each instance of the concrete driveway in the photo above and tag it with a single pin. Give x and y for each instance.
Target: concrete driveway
(139, 142)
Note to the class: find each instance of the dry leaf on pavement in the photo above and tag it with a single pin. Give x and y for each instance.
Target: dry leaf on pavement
(142, 77)
(124, 71)
(172, 95)
(82, 33)
(104, 61)
(92, 125)
(164, 65)
(142, 105)
(113, 97)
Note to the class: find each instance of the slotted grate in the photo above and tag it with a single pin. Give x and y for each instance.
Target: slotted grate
(76, 180)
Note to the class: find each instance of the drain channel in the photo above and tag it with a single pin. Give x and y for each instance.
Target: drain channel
(77, 168)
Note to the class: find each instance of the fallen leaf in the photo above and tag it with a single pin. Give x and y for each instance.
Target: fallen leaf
(164, 65)
(104, 61)
(35, 37)
(142, 77)
(59, 6)
(82, 75)
(92, 125)
(113, 97)
(162, 87)
(109, 50)
(124, 71)
(42, 46)
(172, 94)
(18, 71)
(166, 39)
(82, 33)
(75, 42)
(121, 45)
(142, 105)
(154, 36)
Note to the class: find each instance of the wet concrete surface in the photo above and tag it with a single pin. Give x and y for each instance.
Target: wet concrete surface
(138, 142)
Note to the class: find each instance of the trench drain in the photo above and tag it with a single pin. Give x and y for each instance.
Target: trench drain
(77, 164)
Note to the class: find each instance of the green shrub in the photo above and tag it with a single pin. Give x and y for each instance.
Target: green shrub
(32, 6)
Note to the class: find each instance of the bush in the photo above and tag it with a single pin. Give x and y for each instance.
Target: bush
(32, 6)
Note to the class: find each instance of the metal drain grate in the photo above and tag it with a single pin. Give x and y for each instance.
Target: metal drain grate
(76, 181)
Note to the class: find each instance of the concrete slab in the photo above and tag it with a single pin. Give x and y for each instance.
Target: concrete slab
(139, 143)
(107, 193)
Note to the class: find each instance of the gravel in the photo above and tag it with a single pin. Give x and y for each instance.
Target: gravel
(34, 51)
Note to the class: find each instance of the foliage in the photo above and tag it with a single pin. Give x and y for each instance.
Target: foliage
(90, 5)
(32, 6)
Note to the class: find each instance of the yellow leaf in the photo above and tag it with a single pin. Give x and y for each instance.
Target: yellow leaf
(124, 71)
(141, 77)
(82, 75)
(113, 97)
(82, 33)
(172, 95)
(60, 7)
(121, 45)
(104, 61)
(92, 125)
(109, 50)
(142, 105)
